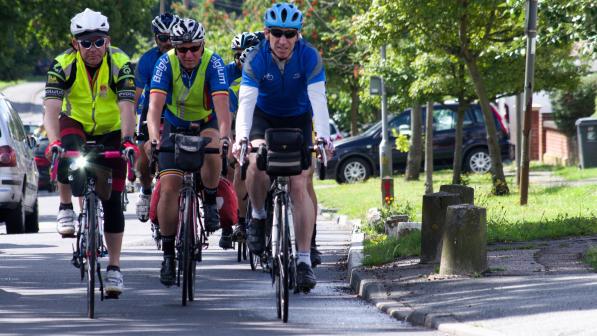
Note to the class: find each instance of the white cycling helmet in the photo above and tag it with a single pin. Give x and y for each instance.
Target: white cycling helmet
(243, 41)
(245, 54)
(187, 30)
(89, 21)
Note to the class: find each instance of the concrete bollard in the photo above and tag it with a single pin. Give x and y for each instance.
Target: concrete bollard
(391, 224)
(432, 229)
(467, 194)
(464, 250)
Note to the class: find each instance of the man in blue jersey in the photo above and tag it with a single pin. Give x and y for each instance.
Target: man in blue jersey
(283, 78)
(161, 26)
(191, 82)
(240, 43)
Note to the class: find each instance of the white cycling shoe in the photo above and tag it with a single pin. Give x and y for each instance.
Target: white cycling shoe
(67, 220)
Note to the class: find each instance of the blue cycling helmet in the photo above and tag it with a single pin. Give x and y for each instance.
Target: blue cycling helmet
(284, 15)
(162, 24)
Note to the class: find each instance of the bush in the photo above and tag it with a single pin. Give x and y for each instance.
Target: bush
(568, 106)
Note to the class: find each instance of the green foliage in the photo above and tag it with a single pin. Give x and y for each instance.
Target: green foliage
(380, 249)
(568, 106)
(401, 142)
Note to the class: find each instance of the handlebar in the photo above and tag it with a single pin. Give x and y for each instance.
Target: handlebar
(206, 150)
(94, 150)
(322, 161)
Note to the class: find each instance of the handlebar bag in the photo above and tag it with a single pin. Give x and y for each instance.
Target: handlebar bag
(189, 152)
(285, 151)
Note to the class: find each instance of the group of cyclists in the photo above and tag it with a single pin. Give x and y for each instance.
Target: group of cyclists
(277, 80)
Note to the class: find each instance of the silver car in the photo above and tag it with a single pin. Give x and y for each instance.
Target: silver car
(18, 173)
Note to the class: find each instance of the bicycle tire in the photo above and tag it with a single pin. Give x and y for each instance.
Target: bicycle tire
(239, 251)
(186, 249)
(285, 262)
(91, 254)
(276, 265)
(196, 246)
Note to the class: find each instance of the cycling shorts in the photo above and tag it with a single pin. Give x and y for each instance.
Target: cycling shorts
(262, 121)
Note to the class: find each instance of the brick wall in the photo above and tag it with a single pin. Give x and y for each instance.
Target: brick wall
(555, 147)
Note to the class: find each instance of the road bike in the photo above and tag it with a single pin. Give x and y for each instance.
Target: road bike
(191, 236)
(93, 183)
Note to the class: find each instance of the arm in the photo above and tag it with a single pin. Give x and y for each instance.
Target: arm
(127, 118)
(321, 116)
(156, 105)
(221, 105)
(247, 98)
(51, 124)
(138, 92)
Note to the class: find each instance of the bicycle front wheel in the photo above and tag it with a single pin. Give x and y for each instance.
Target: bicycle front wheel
(285, 262)
(188, 254)
(91, 253)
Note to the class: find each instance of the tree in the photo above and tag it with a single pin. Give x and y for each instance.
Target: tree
(568, 106)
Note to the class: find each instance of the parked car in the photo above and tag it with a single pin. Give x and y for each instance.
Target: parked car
(18, 173)
(335, 133)
(357, 158)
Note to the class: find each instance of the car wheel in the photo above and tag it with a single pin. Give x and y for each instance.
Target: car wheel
(15, 219)
(32, 220)
(478, 161)
(354, 170)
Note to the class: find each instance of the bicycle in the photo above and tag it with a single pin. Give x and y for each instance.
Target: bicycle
(280, 250)
(92, 182)
(191, 236)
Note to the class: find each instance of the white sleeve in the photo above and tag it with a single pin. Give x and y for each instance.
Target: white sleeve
(321, 116)
(247, 97)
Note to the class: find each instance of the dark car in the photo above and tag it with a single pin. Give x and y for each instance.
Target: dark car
(43, 165)
(357, 158)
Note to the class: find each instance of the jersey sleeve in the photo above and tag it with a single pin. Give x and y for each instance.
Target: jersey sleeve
(55, 82)
(162, 75)
(252, 69)
(216, 76)
(314, 69)
(125, 83)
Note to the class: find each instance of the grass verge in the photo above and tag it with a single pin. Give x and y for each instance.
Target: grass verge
(381, 249)
(590, 257)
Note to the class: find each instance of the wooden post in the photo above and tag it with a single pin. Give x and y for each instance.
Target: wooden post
(464, 251)
(467, 194)
(432, 229)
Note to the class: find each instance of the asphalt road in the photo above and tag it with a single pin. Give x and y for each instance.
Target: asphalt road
(41, 293)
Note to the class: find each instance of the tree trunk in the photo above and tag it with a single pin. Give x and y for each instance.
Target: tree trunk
(429, 149)
(457, 165)
(413, 163)
(354, 108)
(500, 186)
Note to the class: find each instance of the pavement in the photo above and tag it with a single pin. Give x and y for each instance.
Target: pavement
(531, 288)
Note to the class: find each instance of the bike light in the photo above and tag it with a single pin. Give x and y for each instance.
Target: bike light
(79, 162)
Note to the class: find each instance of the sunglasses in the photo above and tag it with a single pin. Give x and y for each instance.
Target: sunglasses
(97, 43)
(287, 33)
(183, 50)
(163, 37)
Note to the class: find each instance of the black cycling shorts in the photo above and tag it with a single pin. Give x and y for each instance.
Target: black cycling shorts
(262, 121)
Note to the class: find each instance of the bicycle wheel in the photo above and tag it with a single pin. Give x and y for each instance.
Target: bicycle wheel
(91, 253)
(285, 262)
(196, 246)
(187, 255)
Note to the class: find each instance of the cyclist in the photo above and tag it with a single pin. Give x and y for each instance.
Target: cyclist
(90, 96)
(283, 81)
(161, 26)
(240, 43)
(191, 81)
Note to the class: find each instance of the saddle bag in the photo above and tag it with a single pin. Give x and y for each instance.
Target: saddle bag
(188, 152)
(286, 151)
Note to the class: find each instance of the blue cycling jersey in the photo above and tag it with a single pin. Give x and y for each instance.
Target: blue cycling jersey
(283, 94)
(143, 73)
(233, 74)
(215, 78)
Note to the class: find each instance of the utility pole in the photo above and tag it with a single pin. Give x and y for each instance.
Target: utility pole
(385, 147)
(531, 32)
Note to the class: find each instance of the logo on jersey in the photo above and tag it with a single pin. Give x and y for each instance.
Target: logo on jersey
(296, 76)
(268, 76)
(159, 70)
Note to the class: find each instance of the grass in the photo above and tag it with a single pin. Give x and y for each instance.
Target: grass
(569, 173)
(590, 257)
(552, 212)
(381, 249)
